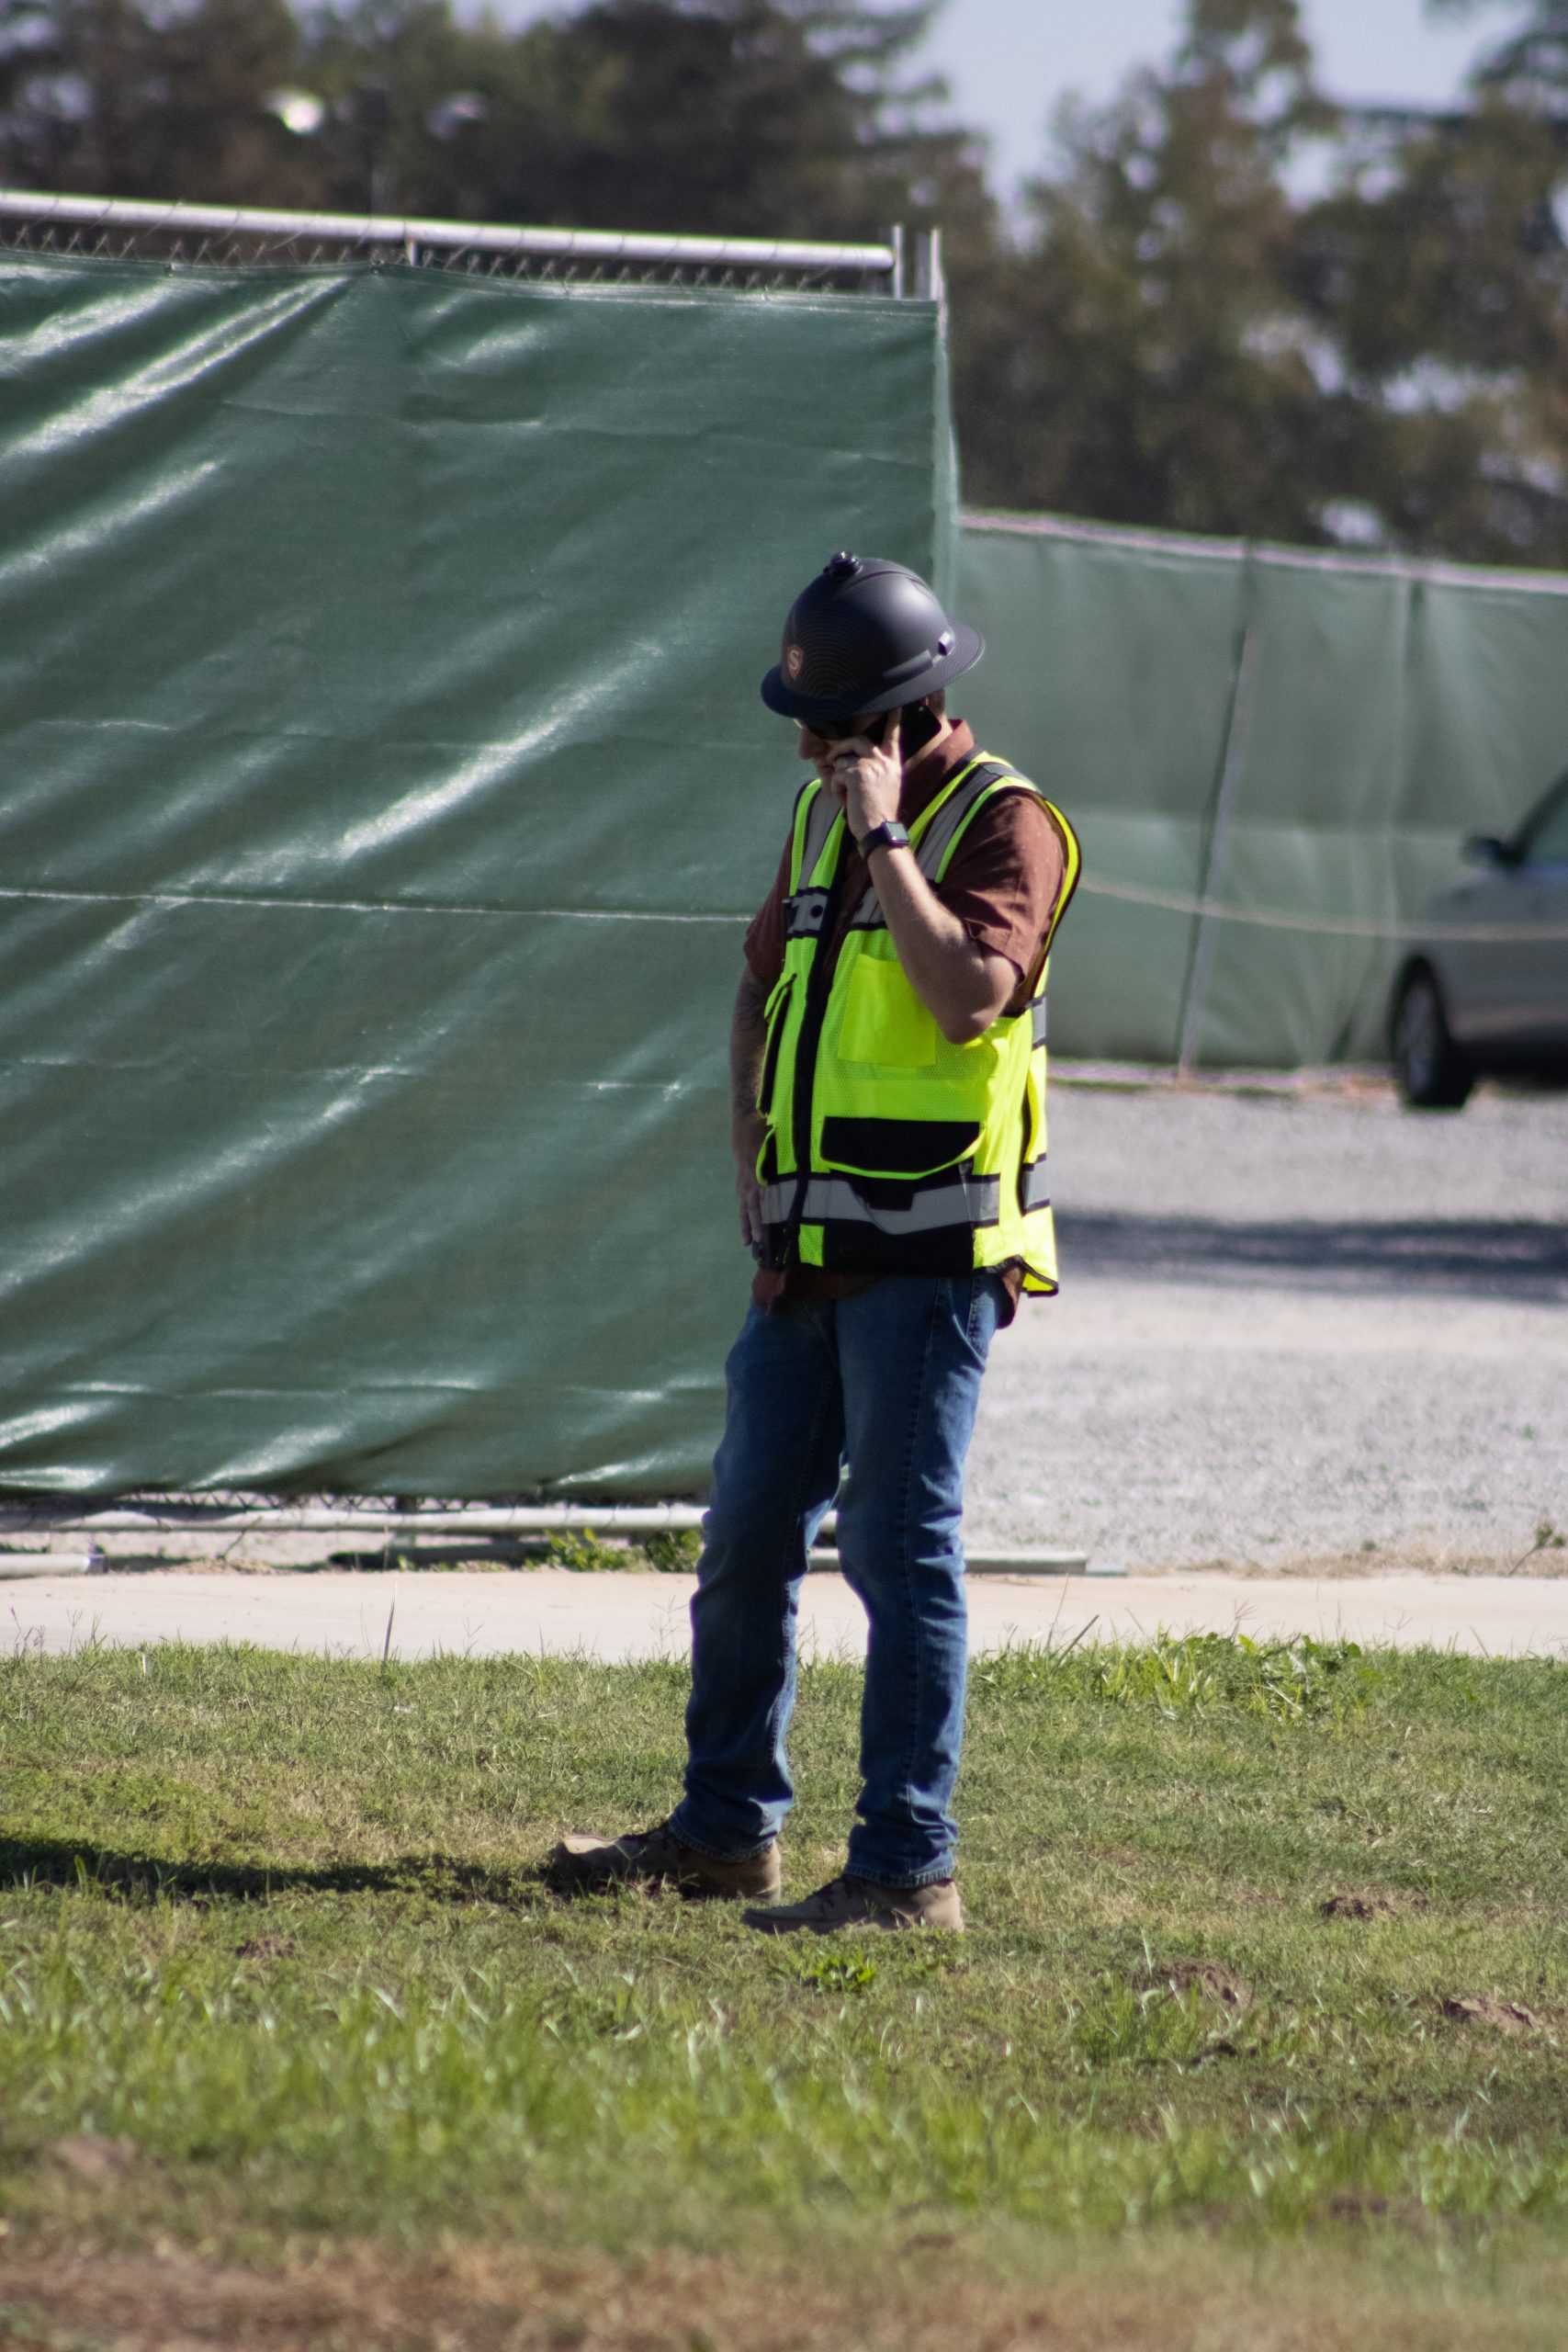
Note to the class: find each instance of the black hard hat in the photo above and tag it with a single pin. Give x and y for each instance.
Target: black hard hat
(866, 636)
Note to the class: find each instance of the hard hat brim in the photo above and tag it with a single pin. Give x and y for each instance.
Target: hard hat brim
(780, 695)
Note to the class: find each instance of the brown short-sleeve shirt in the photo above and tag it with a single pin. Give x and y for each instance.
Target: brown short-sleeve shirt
(1003, 884)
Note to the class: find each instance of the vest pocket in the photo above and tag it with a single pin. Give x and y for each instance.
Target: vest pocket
(1030, 1123)
(883, 1020)
(899, 1148)
(778, 1005)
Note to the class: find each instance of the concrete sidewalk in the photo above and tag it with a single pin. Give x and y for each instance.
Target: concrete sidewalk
(638, 1616)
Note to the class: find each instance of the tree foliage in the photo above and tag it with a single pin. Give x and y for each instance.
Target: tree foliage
(1160, 366)
(1227, 305)
(758, 116)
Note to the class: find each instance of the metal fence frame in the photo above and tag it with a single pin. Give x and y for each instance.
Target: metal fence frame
(907, 268)
(902, 267)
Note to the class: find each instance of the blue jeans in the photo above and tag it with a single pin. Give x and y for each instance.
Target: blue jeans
(889, 1379)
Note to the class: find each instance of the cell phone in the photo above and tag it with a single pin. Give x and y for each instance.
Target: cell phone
(917, 725)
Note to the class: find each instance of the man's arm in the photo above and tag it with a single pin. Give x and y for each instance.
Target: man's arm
(962, 985)
(747, 1041)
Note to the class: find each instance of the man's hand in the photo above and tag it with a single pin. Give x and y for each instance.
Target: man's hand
(746, 1140)
(865, 776)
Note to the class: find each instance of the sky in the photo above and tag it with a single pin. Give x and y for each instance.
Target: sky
(1011, 61)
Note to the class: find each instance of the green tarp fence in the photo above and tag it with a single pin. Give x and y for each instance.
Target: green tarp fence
(383, 791)
(1272, 758)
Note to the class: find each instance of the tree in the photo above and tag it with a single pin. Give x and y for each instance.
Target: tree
(1533, 56)
(107, 97)
(1438, 270)
(750, 118)
(1179, 340)
(760, 118)
(1144, 358)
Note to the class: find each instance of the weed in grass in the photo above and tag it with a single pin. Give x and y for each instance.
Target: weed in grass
(674, 1551)
(829, 1972)
(1116, 2026)
(1548, 1538)
(1302, 1681)
(583, 1554)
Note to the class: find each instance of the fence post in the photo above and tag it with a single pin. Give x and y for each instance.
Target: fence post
(930, 286)
(1233, 760)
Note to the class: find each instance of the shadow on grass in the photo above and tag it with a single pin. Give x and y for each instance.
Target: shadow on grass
(144, 1878)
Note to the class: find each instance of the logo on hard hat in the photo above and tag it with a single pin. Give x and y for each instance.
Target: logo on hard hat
(795, 662)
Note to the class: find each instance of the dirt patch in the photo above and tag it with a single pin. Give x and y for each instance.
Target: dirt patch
(1485, 2008)
(89, 2157)
(1375, 1904)
(1379, 1560)
(932, 2296)
(1210, 1977)
(1223, 2048)
(1347, 2207)
(267, 1947)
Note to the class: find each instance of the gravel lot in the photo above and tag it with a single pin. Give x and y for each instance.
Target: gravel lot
(1300, 1330)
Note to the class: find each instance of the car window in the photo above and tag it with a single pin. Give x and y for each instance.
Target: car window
(1547, 840)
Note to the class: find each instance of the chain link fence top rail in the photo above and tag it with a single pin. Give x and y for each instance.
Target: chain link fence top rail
(193, 234)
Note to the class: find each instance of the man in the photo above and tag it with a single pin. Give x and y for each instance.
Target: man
(889, 1070)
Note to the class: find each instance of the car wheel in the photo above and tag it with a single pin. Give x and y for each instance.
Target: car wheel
(1431, 1072)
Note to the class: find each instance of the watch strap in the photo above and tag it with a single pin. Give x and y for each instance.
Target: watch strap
(891, 834)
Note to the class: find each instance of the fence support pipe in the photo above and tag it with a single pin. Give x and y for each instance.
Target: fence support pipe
(613, 1519)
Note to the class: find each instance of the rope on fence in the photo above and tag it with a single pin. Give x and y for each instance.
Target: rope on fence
(1338, 926)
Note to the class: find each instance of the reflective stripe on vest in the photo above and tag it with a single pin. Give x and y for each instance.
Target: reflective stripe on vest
(934, 842)
(945, 1201)
(1034, 1189)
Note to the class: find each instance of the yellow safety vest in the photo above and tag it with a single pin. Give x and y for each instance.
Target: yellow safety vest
(890, 1150)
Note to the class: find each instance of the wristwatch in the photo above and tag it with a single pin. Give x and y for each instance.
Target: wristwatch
(891, 835)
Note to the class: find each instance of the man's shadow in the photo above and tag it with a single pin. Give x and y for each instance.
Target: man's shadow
(1523, 1258)
(146, 1878)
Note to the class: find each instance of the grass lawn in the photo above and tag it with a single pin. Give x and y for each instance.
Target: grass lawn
(1259, 2038)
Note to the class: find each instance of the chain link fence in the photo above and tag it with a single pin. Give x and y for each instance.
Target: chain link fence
(193, 235)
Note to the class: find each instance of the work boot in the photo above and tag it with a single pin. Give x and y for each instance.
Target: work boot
(654, 1858)
(847, 1901)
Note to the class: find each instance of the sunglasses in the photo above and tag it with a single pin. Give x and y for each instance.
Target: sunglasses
(839, 730)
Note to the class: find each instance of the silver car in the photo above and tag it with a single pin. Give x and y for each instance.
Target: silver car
(1485, 991)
